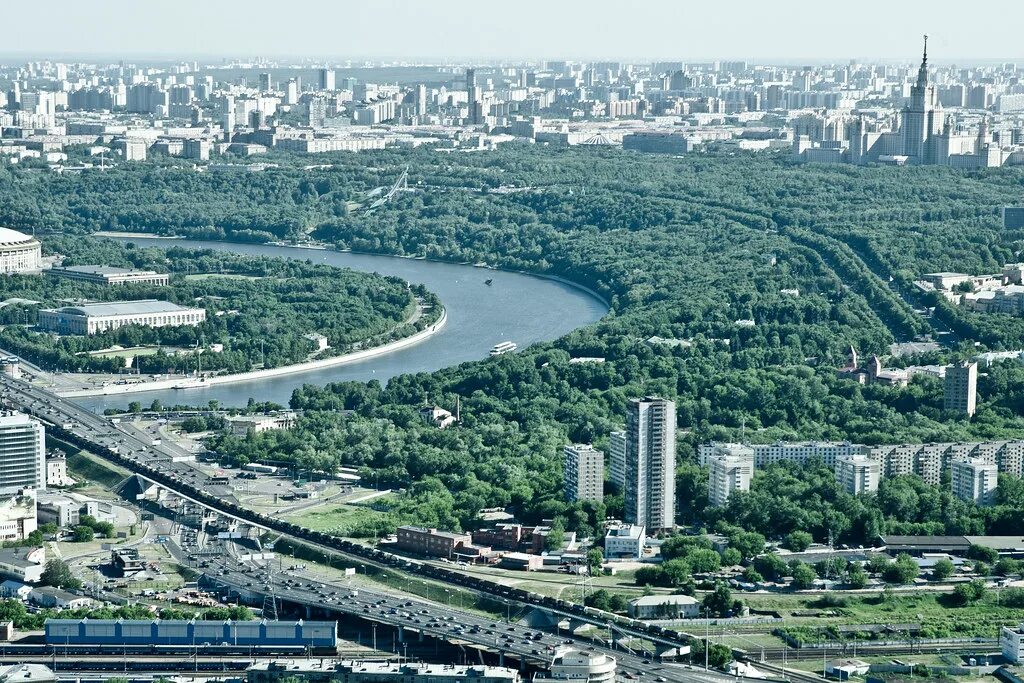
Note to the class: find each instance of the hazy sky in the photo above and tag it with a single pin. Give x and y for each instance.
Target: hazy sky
(680, 29)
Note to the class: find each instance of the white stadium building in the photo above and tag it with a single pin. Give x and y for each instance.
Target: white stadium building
(19, 253)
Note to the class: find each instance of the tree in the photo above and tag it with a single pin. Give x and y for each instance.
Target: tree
(983, 553)
(595, 561)
(771, 566)
(719, 602)
(904, 570)
(942, 569)
(797, 541)
(718, 656)
(803, 575)
(857, 578)
(751, 575)
(704, 561)
(556, 536)
(731, 557)
(134, 407)
(82, 534)
(676, 572)
(56, 572)
(968, 593)
(599, 599)
(748, 543)
(649, 576)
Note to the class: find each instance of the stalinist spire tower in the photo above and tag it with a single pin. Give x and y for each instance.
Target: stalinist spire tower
(921, 117)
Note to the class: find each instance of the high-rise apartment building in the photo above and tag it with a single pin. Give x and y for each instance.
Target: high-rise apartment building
(617, 459)
(975, 480)
(650, 484)
(264, 84)
(726, 474)
(22, 453)
(961, 388)
(583, 469)
(858, 474)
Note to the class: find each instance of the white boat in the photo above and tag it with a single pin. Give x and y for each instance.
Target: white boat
(503, 347)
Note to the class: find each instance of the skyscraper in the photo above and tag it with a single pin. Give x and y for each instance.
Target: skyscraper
(922, 117)
(583, 469)
(327, 79)
(960, 392)
(22, 453)
(264, 83)
(650, 489)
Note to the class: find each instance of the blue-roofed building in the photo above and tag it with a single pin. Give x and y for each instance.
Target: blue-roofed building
(193, 632)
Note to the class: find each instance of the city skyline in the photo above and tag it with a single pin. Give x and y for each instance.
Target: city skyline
(536, 30)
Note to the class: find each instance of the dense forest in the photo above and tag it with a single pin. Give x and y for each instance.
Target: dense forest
(762, 273)
(259, 309)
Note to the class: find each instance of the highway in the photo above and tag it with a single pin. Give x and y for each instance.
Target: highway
(133, 448)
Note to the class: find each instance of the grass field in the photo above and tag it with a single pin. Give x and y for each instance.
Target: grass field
(337, 518)
(137, 351)
(85, 465)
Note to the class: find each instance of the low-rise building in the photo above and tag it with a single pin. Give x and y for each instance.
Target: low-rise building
(582, 666)
(18, 515)
(24, 565)
(57, 470)
(243, 424)
(61, 510)
(27, 673)
(56, 598)
(526, 562)
(1011, 640)
(14, 590)
(321, 670)
(437, 417)
(95, 318)
(625, 541)
(664, 607)
(431, 542)
(108, 275)
(126, 562)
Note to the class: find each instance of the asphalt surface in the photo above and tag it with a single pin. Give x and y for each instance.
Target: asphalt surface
(444, 622)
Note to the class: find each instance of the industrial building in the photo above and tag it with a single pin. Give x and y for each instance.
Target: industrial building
(19, 253)
(182, 632)
(96, 318)
(107, 275)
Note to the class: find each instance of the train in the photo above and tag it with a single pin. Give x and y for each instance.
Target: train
(379, 556)
(315, 634)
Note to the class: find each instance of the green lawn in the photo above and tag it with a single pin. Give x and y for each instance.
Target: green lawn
(336, 518)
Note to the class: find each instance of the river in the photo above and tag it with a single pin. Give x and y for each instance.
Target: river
(517, 307)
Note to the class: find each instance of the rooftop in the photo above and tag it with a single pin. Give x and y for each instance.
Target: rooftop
(9, 237)
(101, 270)
(654, 600)
(108, 308)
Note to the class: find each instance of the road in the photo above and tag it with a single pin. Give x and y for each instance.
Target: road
(449, 624)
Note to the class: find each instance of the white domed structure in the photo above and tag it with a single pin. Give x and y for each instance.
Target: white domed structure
(19, 253)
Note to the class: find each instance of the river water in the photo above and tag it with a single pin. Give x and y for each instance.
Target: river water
(521, 308)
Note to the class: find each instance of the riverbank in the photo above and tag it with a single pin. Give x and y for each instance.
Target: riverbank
(254, 375)
(326, 246)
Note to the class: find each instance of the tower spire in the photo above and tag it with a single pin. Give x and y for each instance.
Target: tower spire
(922, 73)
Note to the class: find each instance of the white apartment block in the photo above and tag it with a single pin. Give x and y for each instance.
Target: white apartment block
(583, 470)
(22, 453)
(927, 461)
(799, 451)
(617, 459)
(625, 541)
(975, 481)
(858, 474)
(728, 473)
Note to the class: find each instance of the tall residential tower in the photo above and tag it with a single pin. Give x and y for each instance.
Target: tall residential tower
(650, 488)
